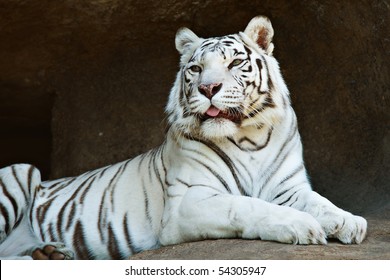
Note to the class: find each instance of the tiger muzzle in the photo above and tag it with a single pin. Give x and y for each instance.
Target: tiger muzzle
(210, 90)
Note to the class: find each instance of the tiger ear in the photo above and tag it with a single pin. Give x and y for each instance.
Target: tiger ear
(260, 31)
(185, 38)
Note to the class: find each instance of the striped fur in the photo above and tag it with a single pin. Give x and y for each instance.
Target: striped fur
(231, 166)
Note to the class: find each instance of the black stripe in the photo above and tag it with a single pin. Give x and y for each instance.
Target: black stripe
(206, 44)
(114, 181)
(223, 182)
(254, 101)
(292, 203)
(100, 222)
(269, 81)
(259, 65)
(181, 90)
(61, 218)
(48, 186)
(32, 206)
(237, 52)
(247, 49)
(10, 198)
(187, 80)
(146, 202)
(255, 111)
(228, 42)
(51, 233)
(231, 37)
(71, 216)
(142, 157)
(238, 80)
(199, 153)
(248, 70)
(41, 214)
(164, 167)
(274, 167)
(229, 163)
(280, 162)
(14, 173)
(29, 178)
(5, 214)
(61, 185)
(18, 222)
(244, 167)
(152, 154)
(262, 146)
(293, 131)
(222, 51)
(192, 58)
(182, 182)
(82, 196)
(79, 242)
(157, 172)
(288, 199)
(104, 171)
(292, 174)
(113, 245)
(102, 217)
(269, 102)
(281, 194)
(257, 147)
(246, 139)
(129, 240)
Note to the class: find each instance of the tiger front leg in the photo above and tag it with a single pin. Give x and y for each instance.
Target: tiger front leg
(336, 222)
(199, 213)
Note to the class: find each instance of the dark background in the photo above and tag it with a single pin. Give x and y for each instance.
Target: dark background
(83, 84)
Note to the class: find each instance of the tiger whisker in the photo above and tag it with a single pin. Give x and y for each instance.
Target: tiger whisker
(258, 114)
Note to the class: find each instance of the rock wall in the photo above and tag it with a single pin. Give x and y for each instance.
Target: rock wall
(84, 84)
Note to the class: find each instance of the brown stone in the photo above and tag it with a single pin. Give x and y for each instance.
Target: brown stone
(375, 247)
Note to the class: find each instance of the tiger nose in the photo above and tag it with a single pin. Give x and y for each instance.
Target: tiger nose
(210, 90)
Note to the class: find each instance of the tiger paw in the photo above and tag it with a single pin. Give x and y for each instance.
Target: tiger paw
(295, 227)
(344, 226)
(53, 251)
(305, 230)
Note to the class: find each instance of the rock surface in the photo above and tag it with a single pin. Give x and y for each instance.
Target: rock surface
(375, 247)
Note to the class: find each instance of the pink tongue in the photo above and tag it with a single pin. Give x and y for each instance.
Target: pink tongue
(213, 111)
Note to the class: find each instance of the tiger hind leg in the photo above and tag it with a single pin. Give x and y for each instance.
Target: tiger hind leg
(22, 243)
(17, 241)
(17, 184)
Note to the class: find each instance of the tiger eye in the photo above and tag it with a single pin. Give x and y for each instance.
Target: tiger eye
(235, 62)
(195, 68)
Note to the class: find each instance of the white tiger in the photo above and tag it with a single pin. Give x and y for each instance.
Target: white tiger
(231, 167)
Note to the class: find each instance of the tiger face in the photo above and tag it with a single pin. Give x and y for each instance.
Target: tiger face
(226, 84)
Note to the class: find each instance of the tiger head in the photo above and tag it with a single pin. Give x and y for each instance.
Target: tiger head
(227, 84)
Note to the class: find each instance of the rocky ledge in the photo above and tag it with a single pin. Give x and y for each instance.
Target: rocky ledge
(376, 246)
